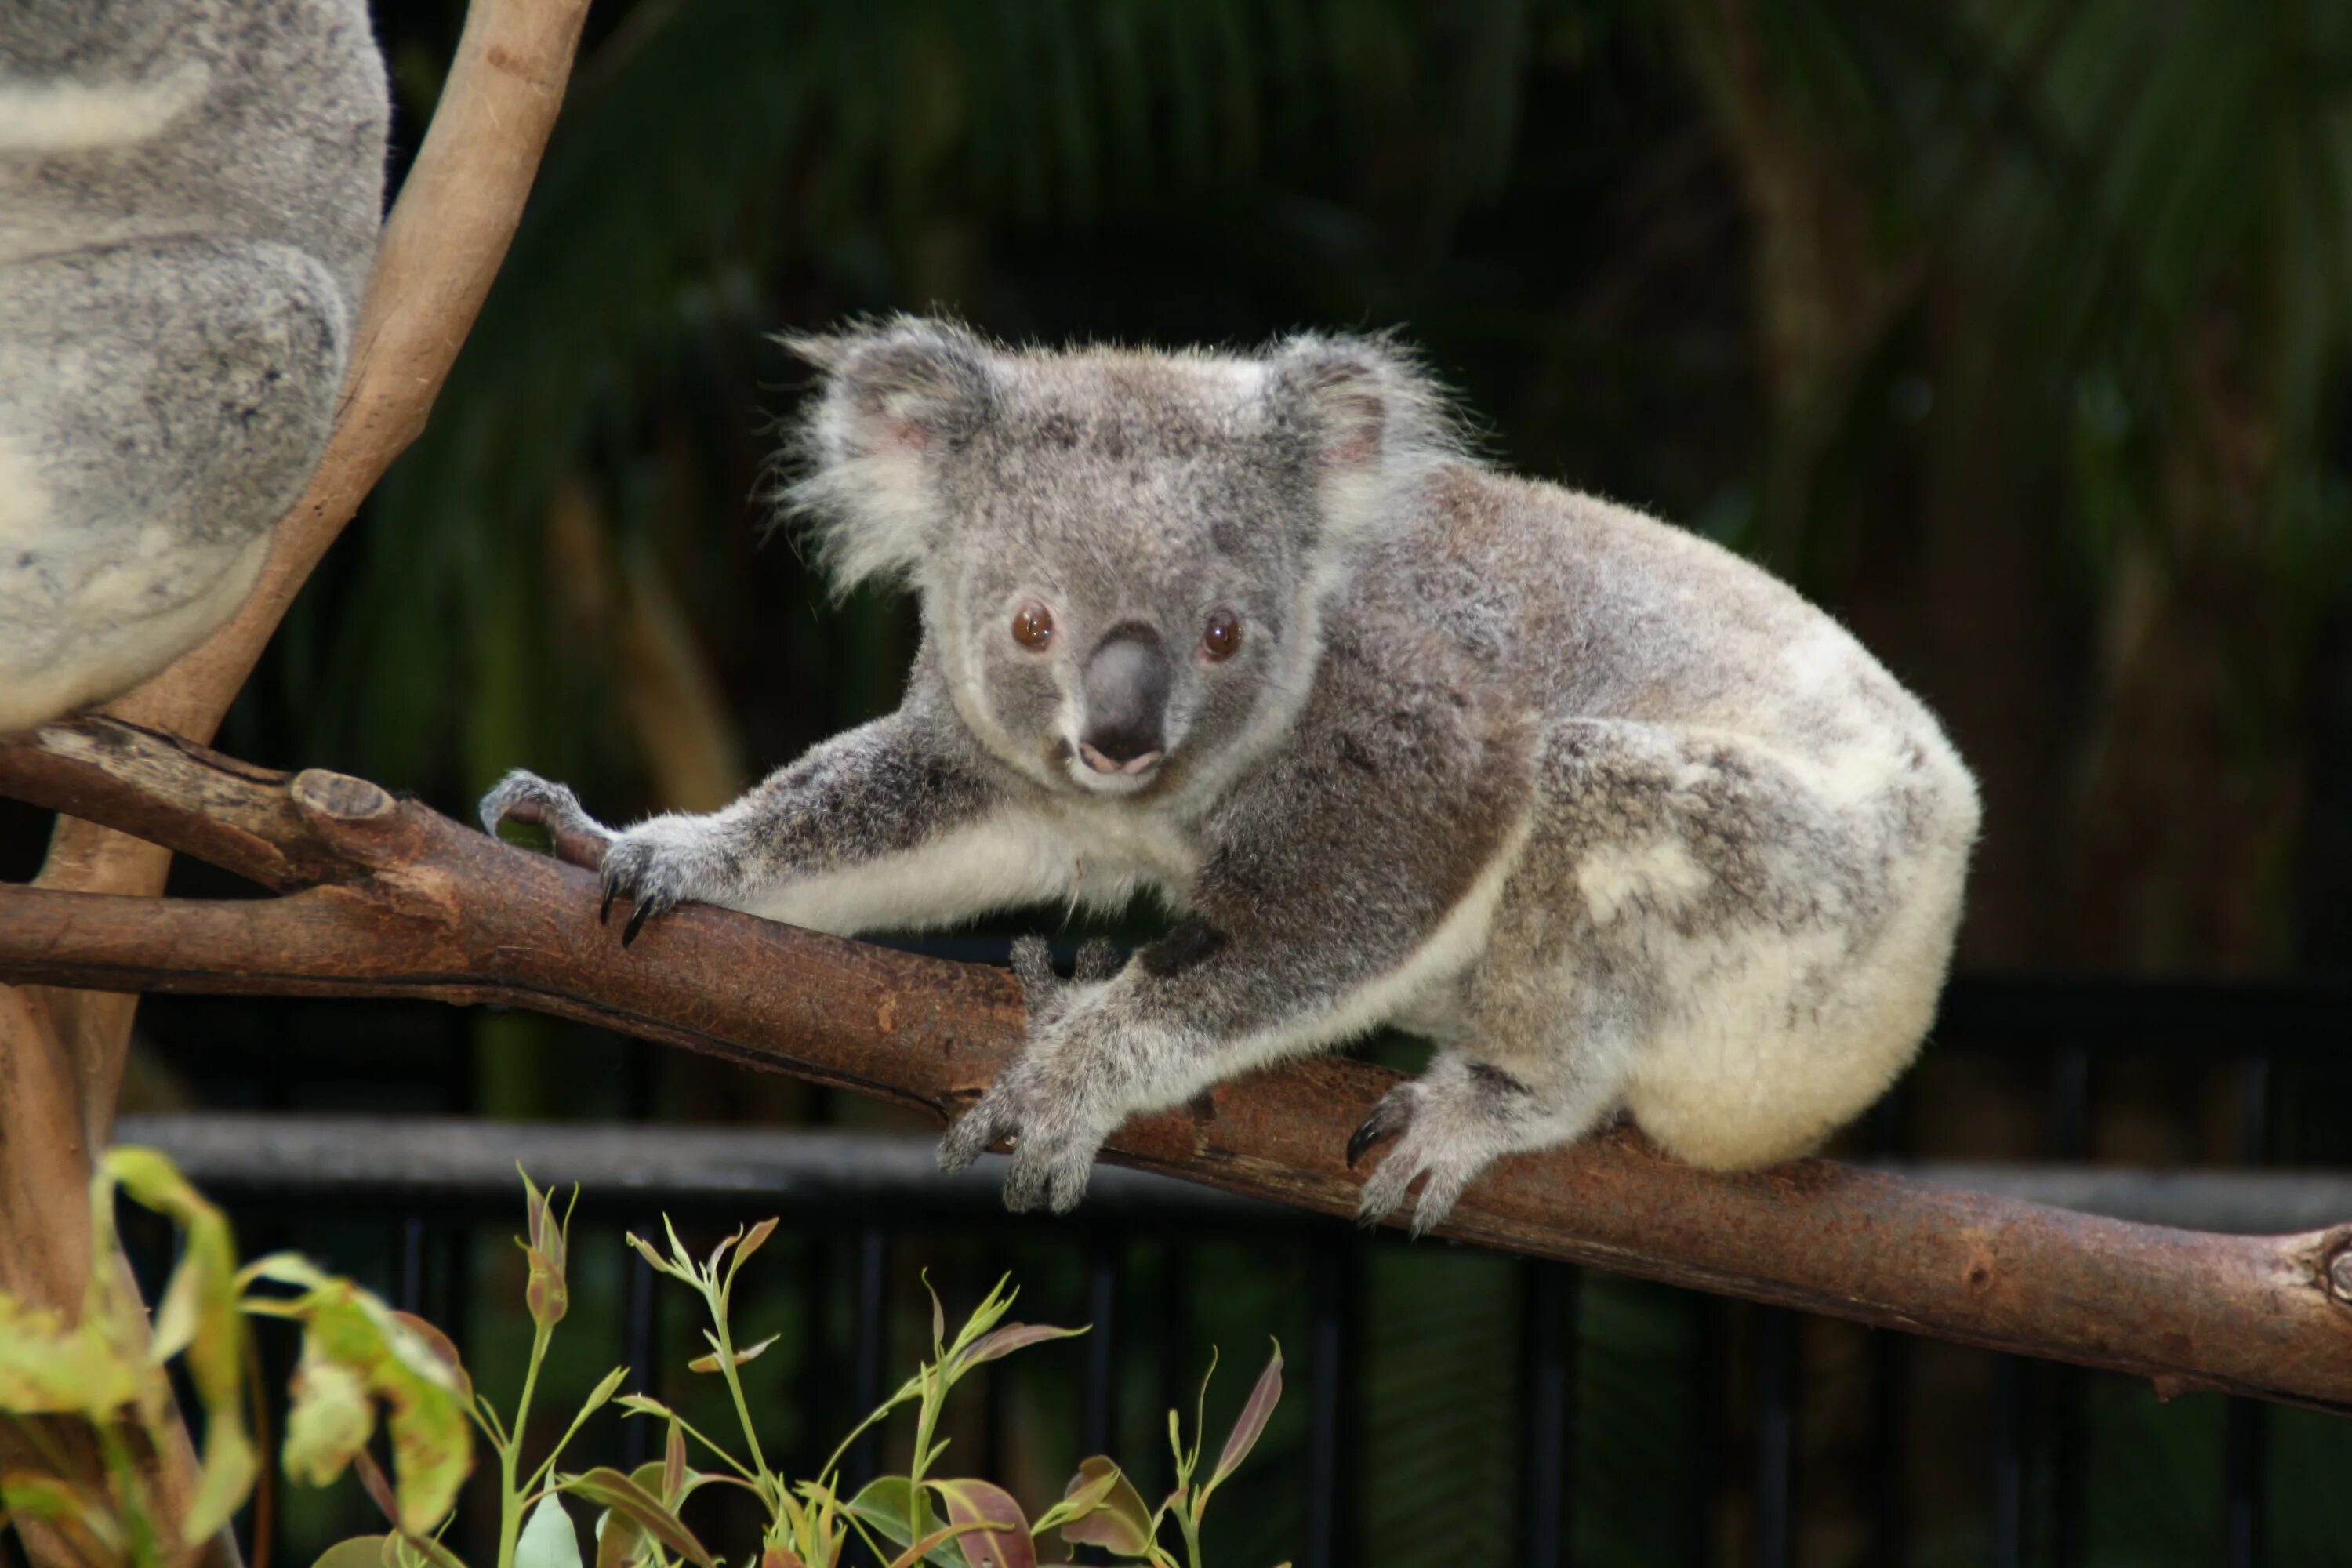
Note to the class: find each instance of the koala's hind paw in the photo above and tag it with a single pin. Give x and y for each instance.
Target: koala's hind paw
(1054, 1147)
(1449, 1125)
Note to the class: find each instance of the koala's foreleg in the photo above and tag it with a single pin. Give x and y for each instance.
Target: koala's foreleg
(881, 827)
(1310, 925)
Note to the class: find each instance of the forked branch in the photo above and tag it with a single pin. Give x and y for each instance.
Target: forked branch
(381, 896)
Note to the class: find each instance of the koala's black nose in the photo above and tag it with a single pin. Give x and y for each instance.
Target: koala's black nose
(1124, 726)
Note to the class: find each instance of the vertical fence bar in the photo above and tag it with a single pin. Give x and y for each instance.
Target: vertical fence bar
(1710, 1372)
(640, 1350)
(2007, 1462)
(1546, 1411)
(869, 1331)
(2071, 1134)
(1175, 1347)
(1890, 1520)
(1890, 1365)
(412, 1263)
(2245, 1435)
(1099, 1401)
(1334, 1297)
(1776, 1394)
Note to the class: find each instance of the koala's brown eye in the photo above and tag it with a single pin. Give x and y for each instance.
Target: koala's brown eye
(1221, 638)
(1033, 624)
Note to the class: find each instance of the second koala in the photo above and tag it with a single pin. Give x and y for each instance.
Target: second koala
(1614, 818)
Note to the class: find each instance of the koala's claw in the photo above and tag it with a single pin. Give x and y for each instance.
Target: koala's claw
(1427, 1146)
(649, 874)
(1388, 1119)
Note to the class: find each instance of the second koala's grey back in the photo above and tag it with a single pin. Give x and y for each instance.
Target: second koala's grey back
(190, 193)
(131, 119)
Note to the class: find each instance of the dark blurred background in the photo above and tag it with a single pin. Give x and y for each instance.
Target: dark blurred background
(2017, 332)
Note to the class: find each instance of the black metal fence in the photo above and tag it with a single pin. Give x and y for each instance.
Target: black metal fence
(419, 1201)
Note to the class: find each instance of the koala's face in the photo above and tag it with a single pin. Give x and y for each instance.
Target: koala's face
(1120, 554)
(1122, 596)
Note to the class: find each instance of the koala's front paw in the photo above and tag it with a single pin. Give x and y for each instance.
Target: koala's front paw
(657, 866)
(524, 796)
(1054, 1103)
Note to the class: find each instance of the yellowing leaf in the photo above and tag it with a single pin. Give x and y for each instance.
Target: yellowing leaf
(46, 1368)
(330, 1419)
(432, 1442)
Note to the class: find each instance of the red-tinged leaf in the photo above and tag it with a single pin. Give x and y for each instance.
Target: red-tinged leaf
(1117, 1518)
(673, 1485)
(548, 1295)
(1001, 1539)
(754, 1241)
(442, 1346)
(781, 1557)
(1004, 1341)
(619, 1542)
(618, 1492)
(1252, 1420)
(923, 1550)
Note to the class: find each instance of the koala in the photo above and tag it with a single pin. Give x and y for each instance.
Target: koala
(189, 199)
(1611, 817)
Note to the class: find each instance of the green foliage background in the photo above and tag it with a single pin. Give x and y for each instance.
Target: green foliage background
(2016, 330)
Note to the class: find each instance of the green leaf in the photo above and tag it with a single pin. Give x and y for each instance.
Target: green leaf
(1251, 1422)
(623, 1496)
(1115, 1516)
(548, 1539)
(1002, 1537)
(887, 1503)
(359, 1552)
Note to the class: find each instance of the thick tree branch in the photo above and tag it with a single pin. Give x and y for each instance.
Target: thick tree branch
(386, 898)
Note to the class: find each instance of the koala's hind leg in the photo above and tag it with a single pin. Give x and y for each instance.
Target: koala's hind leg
(1462, 1115)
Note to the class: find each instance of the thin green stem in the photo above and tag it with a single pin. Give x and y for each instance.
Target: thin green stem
(1191, 1529)
(711, 1294)
(510, 1454)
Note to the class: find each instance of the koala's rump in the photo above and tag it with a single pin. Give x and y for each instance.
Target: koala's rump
(1754, 945)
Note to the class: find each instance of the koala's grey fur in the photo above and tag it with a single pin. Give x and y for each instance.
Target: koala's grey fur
(1611, 815)
(189, 198)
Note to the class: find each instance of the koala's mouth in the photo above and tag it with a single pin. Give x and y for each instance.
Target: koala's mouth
(1099, 773)
(1132, 767)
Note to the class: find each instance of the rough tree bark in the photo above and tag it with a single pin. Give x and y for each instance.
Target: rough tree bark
(61, 1051)
(384, 898)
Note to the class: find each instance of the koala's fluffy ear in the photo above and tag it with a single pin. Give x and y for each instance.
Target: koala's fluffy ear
(894, 394)
(1369, 415)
